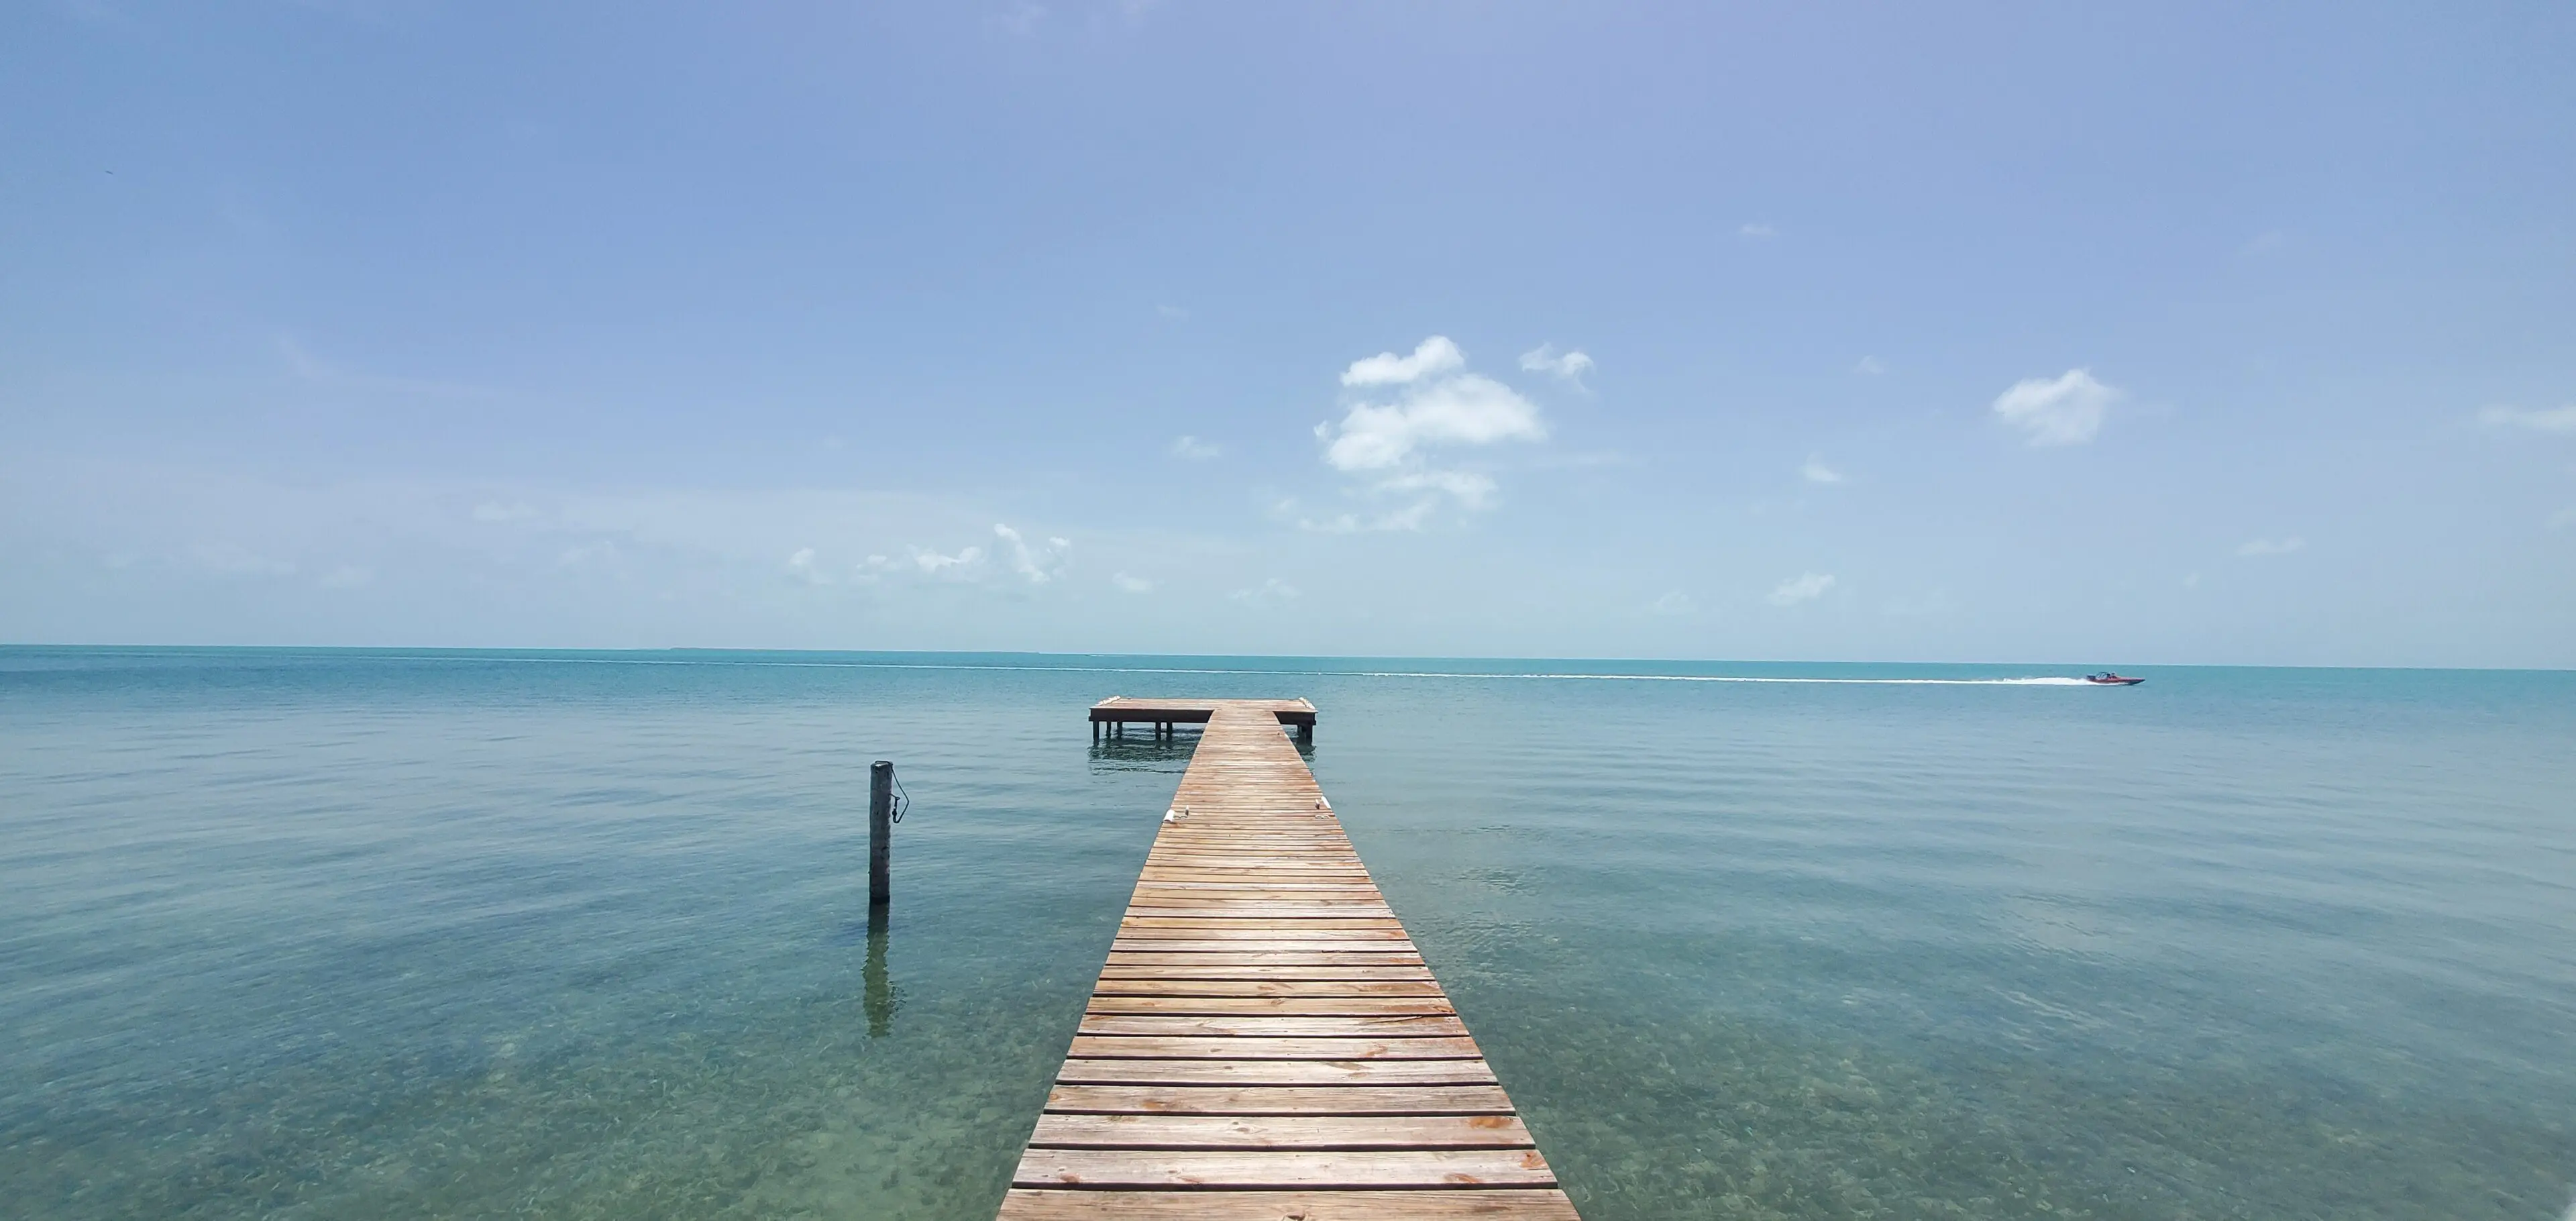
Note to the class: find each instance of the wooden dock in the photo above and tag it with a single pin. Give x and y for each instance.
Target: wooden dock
(1121, 711)
(1265, 1043)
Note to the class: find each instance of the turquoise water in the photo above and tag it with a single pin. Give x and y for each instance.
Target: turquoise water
(336, 934)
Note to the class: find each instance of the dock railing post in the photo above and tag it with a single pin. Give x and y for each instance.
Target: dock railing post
(880, 831)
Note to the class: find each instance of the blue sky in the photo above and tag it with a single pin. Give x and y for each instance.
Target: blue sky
(2174, 333)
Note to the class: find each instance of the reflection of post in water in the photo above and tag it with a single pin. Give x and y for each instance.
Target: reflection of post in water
(880, 998)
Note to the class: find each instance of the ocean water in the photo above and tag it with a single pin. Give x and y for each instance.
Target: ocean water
(322, 934)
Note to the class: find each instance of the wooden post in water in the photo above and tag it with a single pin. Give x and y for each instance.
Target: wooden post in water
(880, 831)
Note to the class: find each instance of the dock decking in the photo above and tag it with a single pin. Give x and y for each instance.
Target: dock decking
(1122, 711)
(1265, 1043)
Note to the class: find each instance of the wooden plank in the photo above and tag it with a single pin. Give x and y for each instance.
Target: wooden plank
(1486, 1204)
(1269, 957)
(1281, 1100)
(1193, 1168)
(1202, 926)
(1057, 1131)
(1116, 972)
(1252, 1047)
(1275, 1072)
(1286, 1006)
(1342, 1026)
(1267, 987)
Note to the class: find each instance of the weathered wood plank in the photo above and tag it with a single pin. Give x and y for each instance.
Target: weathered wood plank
(1252, 1047)
(1115, 972)
(1276, 1027)
(1191, 1168)
(1485, 1204)
(1267, 987)
(1280, 1132)
(1263, 958)
(1306, 1006)
(1281, 1099)
(1275, 1072)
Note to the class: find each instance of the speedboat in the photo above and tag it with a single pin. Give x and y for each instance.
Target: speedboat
(2108, 679)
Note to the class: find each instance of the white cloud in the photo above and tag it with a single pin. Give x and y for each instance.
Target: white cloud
(1472, 490)
(1871, 366)
(1803, 588)
(1753, 231)
(1038, 563)
(1133, 585)
(1172, 313)
(1674, 603)
(1544, 359)
(1410, 517)
(1272, 590)
(2066, 410)
(1433, 356)
(2271, 546)
(2555, 419)
(801, 564)
(933, 562)
(1437, 405)
(1815, 471)
(346, 576)
(1194, 450)
(1468, 409)
(2192, 581)
(2562, 519)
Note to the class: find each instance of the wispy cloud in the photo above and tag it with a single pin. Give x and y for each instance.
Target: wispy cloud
(2553, 419)
(1172, 313)
(1194, 450)
(1755, 231)
(1270, 591)
(2064, 410)
(1815, 471)
(1410, 517)
(965, 561)
(1472, 490)
(1544, 359)
(1430, 358)
(2271, 546)
(801, 565)
(1674, 603)
(1038, 562)
(1806, 587)
(346, 576)
(1870, 365)
(1133, 585)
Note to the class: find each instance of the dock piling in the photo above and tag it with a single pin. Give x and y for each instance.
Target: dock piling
(880, 832)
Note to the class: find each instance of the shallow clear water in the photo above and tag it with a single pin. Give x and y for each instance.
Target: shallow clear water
(328, 934)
